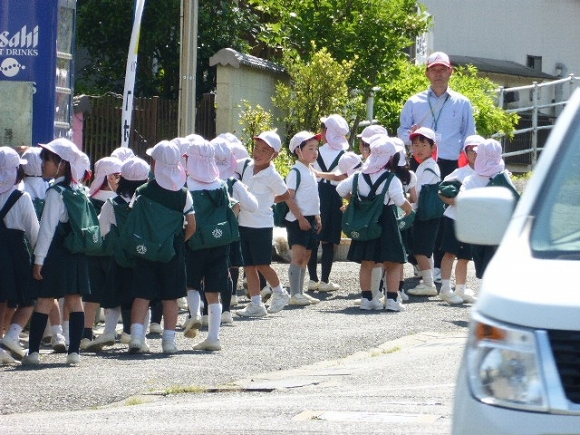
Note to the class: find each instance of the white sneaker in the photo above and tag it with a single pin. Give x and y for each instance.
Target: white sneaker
(204, 320)
(266, 293)
(125, 338)
(73, 359)
(299, 300)
(135, 344)
(467, 295)
(169, 347)
(252, 310)
(278, 302)
(85, 342)
(206, 344)
(423, 290)
(313, 285)
(312, 299)
(144, 347)
(13, 346)
(32, 359)
(403, 296)
(373, 304)
(437, 275)
(58, 343)
(328, 286)
(450, 297)
(6, 359)
(227, 318)
(101, 341)
(191, 327)
(155, 328)
(393, 305)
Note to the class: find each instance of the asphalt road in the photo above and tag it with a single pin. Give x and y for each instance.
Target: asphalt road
(294, 339)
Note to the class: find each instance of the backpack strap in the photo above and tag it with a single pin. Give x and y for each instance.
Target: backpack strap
(433, 172)
(230, 183)
(246, 163)
(333, 165)
(298, 178)
(374, 186)
(14, 196)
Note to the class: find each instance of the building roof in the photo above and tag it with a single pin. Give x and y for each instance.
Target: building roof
(231, 57)
(499, 67)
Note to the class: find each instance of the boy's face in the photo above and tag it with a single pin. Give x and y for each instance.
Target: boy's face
(471, 155)
(263, 153)
(422, 148)
(309, 152)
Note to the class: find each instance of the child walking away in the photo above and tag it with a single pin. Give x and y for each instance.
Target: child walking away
(160, 275)
(385, 248)
(303, 219)
(59, 272)
(118, 296)
(424, 232)
(333, 132)
(451, 247)
(18, 230)
(226, 162)
(256, 228)
(488, 165)
(208, 250)
(33, 183)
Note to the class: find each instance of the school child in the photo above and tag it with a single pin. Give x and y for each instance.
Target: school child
(226, 162)
(18, 230)
(334, 130)
(117, 293)
(123, 153)
(451, 247)
(58, 272)
(365, 136)
(388, 248)
(424, 232)
(103, 187)
(156, 279)
(488, 164)
(256, 228)
(303, 217)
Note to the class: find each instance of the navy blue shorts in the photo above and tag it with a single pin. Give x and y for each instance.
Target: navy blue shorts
(256, 245)
(209, 266)
(308, 239)
(449, 242)
(423, 236)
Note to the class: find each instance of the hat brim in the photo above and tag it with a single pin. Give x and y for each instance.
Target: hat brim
(448, 65)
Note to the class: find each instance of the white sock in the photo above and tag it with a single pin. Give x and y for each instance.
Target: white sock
(146, 323)
(137, 330)
(56, 329)
(376, 276)
(427, 276)
(214, 313)
(65, 330)
(193, 302)
(168, 335)
(257, 300)
(446, 285)
(111, 319)
(14, 331)
(460, 288)
(278, 289)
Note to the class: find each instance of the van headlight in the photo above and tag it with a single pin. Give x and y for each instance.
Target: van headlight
(503, 367)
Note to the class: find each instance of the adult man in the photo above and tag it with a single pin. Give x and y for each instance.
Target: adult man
(446, 112)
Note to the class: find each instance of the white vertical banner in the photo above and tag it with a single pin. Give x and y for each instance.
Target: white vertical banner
(130, 72)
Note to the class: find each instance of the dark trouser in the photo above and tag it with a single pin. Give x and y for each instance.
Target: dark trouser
(446, 167)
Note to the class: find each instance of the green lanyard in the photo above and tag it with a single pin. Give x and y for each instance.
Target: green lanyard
(436, 118)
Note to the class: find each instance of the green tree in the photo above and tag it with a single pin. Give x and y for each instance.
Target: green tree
(104, 30)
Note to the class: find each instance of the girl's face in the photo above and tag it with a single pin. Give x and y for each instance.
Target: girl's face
(113, 181)
(422, 149)
(309, 152)
(365, 150)
(50, 167)
(471, 155)
(263, 153)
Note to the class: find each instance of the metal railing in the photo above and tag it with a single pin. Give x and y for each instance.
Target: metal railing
(558, 100)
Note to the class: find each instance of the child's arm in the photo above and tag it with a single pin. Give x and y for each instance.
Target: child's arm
(329, 175)
(190, 226)
(293, 206)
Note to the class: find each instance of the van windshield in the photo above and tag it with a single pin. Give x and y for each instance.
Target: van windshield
(556, 231)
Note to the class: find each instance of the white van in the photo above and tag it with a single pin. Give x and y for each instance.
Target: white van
(520, 372)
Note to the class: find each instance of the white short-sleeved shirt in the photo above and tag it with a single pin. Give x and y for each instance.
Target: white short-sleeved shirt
(306, 195)
(265, 186)
(425, 176)
(459, 174)
(394, 195)
(107, 216)
(474, 181)
(21, 215)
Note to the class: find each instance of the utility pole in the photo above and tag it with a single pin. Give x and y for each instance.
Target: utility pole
(187, 67)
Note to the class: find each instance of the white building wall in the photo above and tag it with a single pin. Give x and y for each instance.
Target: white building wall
(509, 30)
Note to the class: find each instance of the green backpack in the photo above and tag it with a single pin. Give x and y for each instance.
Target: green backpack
(85, 235)
(429, 205)
(216, 222)
(281, 209)
(503, 180)
(150, 229)
(361, 218)
(112, 240)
